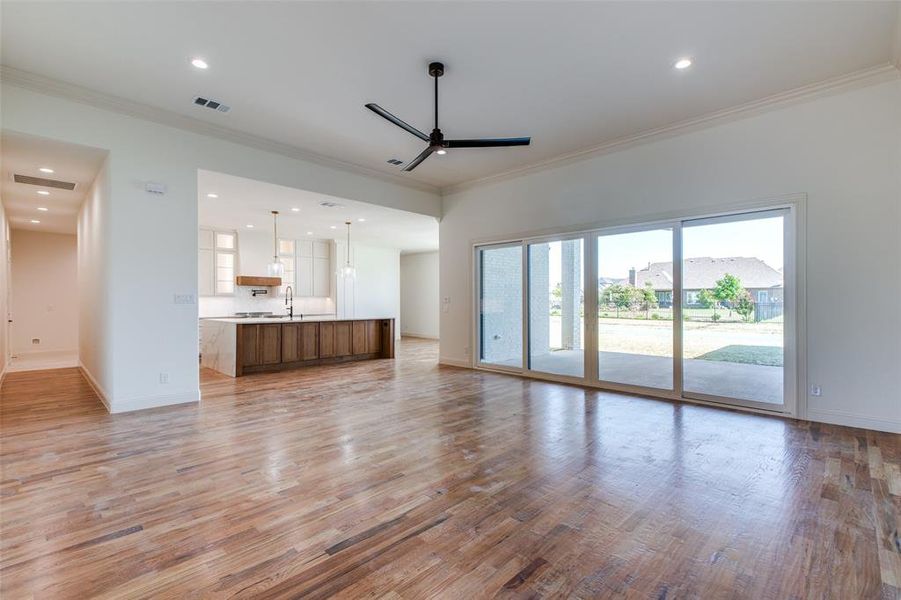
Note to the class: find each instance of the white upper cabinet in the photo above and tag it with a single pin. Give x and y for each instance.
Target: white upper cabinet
(314, 268)
(321, 249)
(321, 277)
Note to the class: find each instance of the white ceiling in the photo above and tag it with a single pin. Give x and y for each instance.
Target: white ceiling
(243, 202)
(571, 75)
(25, 155)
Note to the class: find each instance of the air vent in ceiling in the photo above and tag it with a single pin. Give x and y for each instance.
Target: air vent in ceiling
(213, 104)
(394, 161)
(41, 181)
(328, 204)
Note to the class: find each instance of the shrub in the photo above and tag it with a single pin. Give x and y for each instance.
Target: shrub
(655, 317)
(715, 317)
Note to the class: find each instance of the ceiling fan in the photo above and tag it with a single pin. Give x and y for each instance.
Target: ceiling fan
(436, 140)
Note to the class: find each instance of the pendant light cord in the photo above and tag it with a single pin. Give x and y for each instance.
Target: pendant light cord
(347, 262)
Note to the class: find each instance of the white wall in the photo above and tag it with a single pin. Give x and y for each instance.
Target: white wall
(44, 284)
(843, 151)
(94, 339)
(4, 288)
(150, 241)
(420, 302)
(375, 291)
(254, 254)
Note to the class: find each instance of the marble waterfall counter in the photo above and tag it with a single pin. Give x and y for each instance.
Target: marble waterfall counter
(237, 346)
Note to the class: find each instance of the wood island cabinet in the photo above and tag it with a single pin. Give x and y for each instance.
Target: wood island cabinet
(281, 346)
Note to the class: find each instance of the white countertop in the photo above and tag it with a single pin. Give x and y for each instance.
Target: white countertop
(296, 319)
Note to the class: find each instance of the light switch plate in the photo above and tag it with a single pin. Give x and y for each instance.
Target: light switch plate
(183, 298)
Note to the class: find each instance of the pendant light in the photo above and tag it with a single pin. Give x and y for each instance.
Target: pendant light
(275, 268)
(347, 271)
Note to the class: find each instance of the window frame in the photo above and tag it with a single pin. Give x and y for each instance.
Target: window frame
(795, 372)
(217, 250)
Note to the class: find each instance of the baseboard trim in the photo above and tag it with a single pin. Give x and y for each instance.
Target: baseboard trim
(145, 402)
(98, 389)
(453, 362)
(839, 417)
(421, 336)
(139, 403)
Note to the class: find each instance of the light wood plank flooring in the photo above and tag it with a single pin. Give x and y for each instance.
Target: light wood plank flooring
(402, 479)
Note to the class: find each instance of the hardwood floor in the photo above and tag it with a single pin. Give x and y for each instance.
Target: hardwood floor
(402, 479)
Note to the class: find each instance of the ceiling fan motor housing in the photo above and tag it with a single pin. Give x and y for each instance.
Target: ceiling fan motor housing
(436, 69)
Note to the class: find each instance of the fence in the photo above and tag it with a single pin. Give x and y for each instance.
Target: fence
(765, 311)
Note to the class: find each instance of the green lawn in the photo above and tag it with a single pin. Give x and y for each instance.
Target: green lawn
(770, 356)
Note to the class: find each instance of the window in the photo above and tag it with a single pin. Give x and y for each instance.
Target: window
(226, 259)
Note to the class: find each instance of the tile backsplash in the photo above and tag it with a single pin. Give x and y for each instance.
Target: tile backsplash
(243, 301)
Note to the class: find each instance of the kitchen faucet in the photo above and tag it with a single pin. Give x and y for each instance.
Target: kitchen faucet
(289, 301)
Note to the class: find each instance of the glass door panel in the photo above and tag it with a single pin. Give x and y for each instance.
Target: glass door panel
(733, 333)
(556, 307)
(635, 308)
(500, 305)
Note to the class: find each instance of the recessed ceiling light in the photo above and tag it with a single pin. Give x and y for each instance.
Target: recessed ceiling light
(45, 170)
(43, 209)
(442, 152)
(249, 226)
(199, 63)
(212, 195)
(43, 192)
(333, 227)
(295, 209)
(683, 63)
(361, 219)
(35, 221)
(309, 233)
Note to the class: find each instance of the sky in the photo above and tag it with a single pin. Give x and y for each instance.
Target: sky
(761, 238)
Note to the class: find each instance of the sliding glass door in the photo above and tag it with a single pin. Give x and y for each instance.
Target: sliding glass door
(733, 306)
(635, 308)
(697, 308)
(557, 307)
(500, 305)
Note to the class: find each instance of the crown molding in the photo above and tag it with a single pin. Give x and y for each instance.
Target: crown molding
(76, 93)
(83, 95)
(850, 81)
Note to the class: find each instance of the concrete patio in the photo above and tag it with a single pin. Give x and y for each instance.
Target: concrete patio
(715, 378)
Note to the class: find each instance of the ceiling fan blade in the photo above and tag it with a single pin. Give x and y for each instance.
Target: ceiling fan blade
(422, 156)
(402, 124)
(495, 143)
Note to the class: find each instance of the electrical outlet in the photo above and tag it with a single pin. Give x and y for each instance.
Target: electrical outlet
(36, 341)
(815, 390)
(164, 378)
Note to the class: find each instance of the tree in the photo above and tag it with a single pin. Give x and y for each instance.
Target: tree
(728, 289)
(648, 298)
(620, 296)
(706, 299)
(744, 305)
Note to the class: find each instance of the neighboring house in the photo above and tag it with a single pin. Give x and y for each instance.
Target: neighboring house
(762, 281)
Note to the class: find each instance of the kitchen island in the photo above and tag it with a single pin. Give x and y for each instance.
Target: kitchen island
(238, 346)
